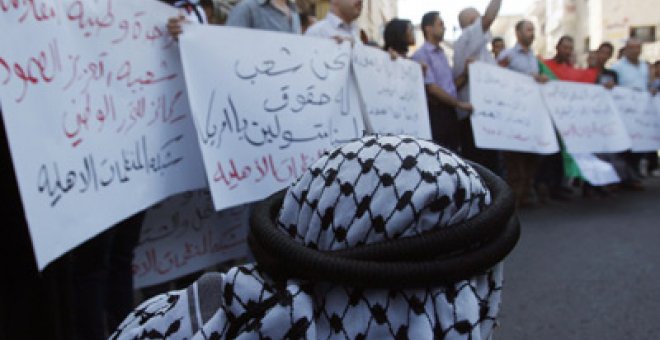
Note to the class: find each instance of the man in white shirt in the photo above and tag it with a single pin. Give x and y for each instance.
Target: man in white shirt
(631, 71)
(634, 73)
(339, 23)
(471, 46)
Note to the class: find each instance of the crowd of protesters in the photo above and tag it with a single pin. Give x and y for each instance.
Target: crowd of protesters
(99, 271)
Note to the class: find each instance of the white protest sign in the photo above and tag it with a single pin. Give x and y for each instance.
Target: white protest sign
(97, 117)
(185, 234)
(393, 92)
(586, 117)
(266, 108)
(509, 113)
(641, 115)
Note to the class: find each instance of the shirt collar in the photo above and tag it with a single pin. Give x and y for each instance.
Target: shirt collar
(520, 49)
(430, 47)
(265, 2)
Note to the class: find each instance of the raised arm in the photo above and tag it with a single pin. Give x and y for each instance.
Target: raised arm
(491, 13)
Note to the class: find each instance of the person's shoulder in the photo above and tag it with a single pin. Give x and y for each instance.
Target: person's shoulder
(506, 53)
(618, 66)
(317, 29)
(247, 4)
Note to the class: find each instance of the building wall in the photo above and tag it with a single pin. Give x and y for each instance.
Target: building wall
(592, 22)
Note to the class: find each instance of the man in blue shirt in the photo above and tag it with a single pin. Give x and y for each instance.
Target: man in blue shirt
(440, 88)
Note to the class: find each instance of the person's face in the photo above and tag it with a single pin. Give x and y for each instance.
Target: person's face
(593, 59)
(565, 50)
(633, 50)
(410, 35)
(498, 47)
(526, 34)
(604, 54)
(438, 29)
(349, 10)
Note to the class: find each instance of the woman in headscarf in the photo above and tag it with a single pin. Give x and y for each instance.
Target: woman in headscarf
(384, 237)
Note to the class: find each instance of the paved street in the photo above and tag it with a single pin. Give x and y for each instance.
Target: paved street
(589, 269)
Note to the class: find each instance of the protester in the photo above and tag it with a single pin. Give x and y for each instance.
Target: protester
(562, 67)
(339, 23)
(552, 169)
(399, 36)
(521, 166)
(332, 267)
(606, 76)
(497, 46)
(634, 73)
(440, 88)
(470, 46)
(609, 78)
(271, 15)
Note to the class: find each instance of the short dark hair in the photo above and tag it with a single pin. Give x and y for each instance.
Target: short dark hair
(565, 38)
(607, 44)
(429, 19)
(395, 35)
(520, 24)
(496, 40)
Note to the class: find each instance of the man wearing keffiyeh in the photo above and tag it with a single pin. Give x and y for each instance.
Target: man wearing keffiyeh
(384, 237)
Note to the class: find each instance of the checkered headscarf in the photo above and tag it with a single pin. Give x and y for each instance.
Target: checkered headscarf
(376, 189)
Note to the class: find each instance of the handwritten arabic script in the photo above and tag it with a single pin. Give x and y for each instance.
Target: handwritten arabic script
(509, 111)
(185, 234)
(278, 105)
(393, 92)
(586, 117)
(641, 115)
(90, 121)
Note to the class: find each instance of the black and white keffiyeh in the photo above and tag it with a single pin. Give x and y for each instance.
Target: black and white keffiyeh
(374, 190)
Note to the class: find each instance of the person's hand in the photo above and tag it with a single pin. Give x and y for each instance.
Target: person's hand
(175, 26)
(504, 62)
(468, 61)
(465, 106)
(541, 78)
(393, 54)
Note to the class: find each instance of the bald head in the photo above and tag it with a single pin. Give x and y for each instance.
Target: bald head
(633, 49)
(468, 16)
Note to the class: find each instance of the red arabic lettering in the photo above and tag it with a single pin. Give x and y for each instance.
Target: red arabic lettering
(76, 12)
(41, 68)
(167, 115)
(83, 119)
(281, 170)
(40, 13)
(4, 64)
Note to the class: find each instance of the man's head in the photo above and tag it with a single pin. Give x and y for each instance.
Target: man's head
(347, 10)
(433, 27)
(497, 46)
(605, 53)
(525, 33)
(467, 17)
(594, 59)
(564, 49)
(633, 49)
